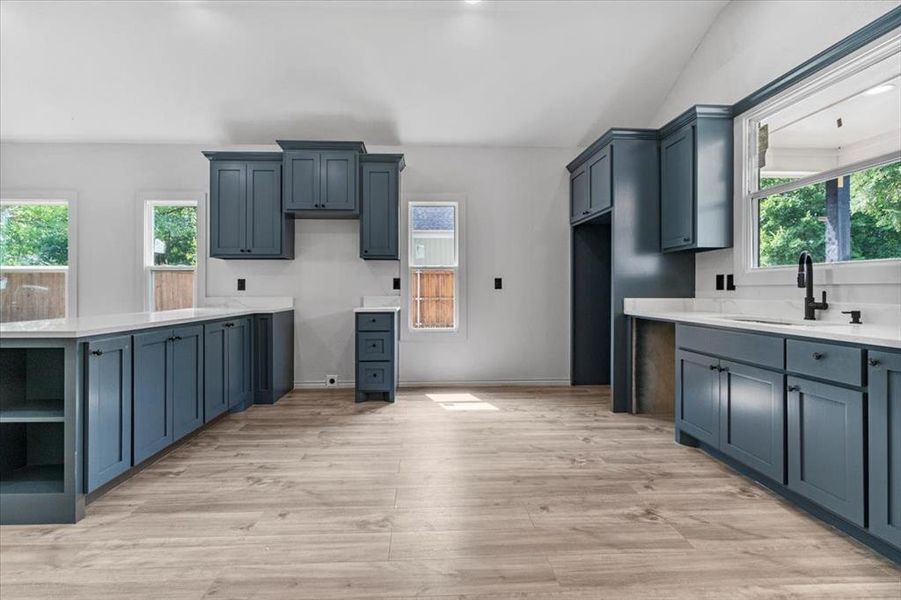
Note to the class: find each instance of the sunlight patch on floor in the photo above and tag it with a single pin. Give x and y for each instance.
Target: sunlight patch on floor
(454, 397)
(468, 406)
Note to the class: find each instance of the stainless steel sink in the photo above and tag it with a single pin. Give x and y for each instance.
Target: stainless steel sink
(774, 321)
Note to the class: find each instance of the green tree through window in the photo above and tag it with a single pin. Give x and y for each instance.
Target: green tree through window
(794, 221)
(34, 235)
(176, 228)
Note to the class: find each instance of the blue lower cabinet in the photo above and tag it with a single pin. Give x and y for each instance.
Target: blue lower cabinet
(215, 386)
(752, 417)
(187, 379)
(885, 446)
(698, 396)
(239, 347)
(826, 446)
(376, 355)
(108, 423)
(153, 419)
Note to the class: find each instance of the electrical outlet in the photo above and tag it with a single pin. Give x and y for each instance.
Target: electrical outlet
(396, 283)
(498, 283)
(730, 282)
(242, 285)
(331, 380)
(719, 282)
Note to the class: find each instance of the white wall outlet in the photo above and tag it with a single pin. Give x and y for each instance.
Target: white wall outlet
(331, 380)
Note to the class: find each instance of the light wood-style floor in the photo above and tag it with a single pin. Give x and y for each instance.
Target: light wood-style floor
(548, 496)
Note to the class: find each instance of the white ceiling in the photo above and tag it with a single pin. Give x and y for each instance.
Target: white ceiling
(446, 73)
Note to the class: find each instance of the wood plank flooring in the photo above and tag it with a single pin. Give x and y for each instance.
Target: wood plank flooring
(494, 493)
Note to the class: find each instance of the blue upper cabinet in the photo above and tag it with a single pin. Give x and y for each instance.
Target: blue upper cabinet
(696, 180)
(591, 185)
(321, 179)
(247, 218)
(380, 201)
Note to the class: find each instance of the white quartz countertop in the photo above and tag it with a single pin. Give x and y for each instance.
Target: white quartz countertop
(217, 308)
(372, 309)
(881, 323)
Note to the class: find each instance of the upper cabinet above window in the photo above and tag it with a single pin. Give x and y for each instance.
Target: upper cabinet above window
(696, 180)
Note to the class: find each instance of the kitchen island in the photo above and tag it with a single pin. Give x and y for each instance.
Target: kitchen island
(85, 401)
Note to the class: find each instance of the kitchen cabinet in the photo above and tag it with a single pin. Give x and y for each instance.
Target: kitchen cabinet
(321, 179)
(153, 422)
(376, 355)
(826, 446)
(108, 424)
(591, 186)
(247, 219)
(273, 356)
(884, 426)
(752, 422)
(228, 383)
(380, 199)
(696, 180)
(578, 195)
(187, 379)
(698, 396)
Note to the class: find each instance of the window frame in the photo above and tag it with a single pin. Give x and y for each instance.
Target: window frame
(746, 195)
(459, 331)
(70, 199)
(147, 200)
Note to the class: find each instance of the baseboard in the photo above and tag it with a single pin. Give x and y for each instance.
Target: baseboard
(306, 385)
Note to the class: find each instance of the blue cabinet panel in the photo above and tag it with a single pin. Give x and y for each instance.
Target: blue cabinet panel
(826, 446)
(379, 210)
(187, 379)
(338, 180)
(698, 396)
(239, 345)
(885, 446)
(825, 361)
(215, 395)
(600, 181)
(109, 408)
(301, 179)
(228, 208)
(264, 208)
(579, 202)
(752, 423)
(153, 419)
(376, 355)
(677, 178)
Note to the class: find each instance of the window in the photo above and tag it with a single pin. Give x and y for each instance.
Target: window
(434, 265)
(35, 278)
(822, 166)
(170, 253)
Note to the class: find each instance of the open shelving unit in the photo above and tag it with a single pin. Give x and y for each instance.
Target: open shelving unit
(32, 420)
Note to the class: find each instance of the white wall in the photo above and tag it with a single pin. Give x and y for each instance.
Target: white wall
(516, 228)
(749, 45)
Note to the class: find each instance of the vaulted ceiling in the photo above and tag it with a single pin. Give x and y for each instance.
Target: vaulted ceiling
(432, 72)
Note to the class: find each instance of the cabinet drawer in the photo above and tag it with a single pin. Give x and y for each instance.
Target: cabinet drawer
(825, 361)
(376, 345)
(763, 350)
(375, 321)
(375, 376)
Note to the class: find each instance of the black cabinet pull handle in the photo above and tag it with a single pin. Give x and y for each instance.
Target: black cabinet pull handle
(178, 337)
(365, 251)
(686, 239)
(873, 362)
(97, 352)
(714, 367)
(817, 355)
(724, 369)
(794, 388)
(171, 338)
(585, 212)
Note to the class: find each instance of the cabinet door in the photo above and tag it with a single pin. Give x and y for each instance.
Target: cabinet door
(578, 194)
(228, 208)
(187, 379)
(153, 420)
(338, 180)
(698, 396)
(752, 423)
(378, 218)
(885, 446)
(301, 174)
(677, 188)
(215, 371)
(109, 410)
(600, 181)
(826, 446)
(262, 359)
(238, 355)
(265, 220)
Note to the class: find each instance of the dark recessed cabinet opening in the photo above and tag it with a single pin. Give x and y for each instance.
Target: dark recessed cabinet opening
(31, 458)
(591, 302)
(32, 382)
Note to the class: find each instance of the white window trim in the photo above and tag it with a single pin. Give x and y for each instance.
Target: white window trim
(460, 331)
(70, 198)
(878, 272)
(146, 200)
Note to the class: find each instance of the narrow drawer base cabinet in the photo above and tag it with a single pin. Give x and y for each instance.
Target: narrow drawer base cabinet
(376, 355)
(105, 403)
(818, 422)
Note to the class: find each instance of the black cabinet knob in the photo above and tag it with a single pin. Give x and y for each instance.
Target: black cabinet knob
(97, 352)
(686, 239)
(873, 362)
(794, 388)
(724, 369)
(714, 367)
(818, 355)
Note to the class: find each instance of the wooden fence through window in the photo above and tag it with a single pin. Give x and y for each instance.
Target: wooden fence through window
(30, 295)
(432, 299)
(173, 289)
